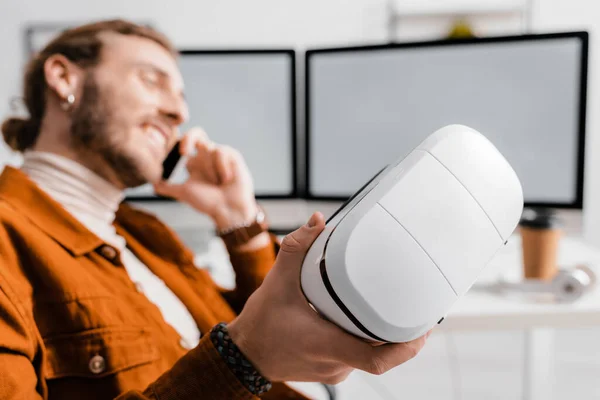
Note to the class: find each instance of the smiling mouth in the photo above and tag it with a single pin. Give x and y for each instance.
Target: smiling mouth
(156, 136)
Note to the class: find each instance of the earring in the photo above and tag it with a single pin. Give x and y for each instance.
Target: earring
(68, 103)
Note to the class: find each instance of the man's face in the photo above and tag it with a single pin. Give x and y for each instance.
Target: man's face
(130, 109)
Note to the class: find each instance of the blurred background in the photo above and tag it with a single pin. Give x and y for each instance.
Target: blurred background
(319, 95)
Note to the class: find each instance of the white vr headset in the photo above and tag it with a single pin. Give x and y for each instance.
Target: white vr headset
(393, 260)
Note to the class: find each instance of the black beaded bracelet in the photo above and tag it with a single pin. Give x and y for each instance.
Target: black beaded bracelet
(237, 362)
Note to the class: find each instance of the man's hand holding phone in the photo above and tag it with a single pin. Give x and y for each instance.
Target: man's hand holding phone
(219, 183)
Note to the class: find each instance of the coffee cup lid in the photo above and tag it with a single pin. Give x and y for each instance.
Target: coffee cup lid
(540, 218)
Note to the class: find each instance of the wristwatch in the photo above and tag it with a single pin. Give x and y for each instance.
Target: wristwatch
(241, 234)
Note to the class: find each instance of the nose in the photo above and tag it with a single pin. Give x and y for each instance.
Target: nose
(175, 110)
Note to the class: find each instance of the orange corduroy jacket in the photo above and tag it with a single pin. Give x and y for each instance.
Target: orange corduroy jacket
(74, 326)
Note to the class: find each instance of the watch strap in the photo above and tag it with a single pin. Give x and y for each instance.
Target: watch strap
(242, 234)
(237, 362)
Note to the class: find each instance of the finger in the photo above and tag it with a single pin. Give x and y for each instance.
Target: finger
(167, 189)
(295, 244)
(223, 165)
(374, 359)
(294, 247)
(201, 165)
(204, 146)
(316, 220)
(190, 140)
(391, 355)
(205, 159)
(339, 378)
(348, 348)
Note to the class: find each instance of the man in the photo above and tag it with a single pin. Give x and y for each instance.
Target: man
(99, 300)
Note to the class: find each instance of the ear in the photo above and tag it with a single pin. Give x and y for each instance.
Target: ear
(63, 76)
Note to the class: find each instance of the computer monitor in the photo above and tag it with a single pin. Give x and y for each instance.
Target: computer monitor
(244, 99)
(367, 106)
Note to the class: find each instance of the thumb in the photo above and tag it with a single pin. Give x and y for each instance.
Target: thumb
(295, 245)
(167, 189)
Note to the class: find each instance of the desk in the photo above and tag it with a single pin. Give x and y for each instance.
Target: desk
(482, 310)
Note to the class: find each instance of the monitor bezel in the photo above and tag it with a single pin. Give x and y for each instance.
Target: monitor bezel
(291, 53)
(583, 36)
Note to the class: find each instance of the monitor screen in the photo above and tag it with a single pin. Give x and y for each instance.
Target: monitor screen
(244, 99)
(369, 106)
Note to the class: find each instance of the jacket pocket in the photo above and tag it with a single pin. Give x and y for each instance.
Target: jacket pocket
(99, 352)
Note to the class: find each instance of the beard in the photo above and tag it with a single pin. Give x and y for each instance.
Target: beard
(98, 130)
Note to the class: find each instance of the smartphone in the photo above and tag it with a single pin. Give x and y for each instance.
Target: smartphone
(171, 161)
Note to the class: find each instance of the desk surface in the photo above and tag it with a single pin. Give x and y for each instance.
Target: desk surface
(485, 310)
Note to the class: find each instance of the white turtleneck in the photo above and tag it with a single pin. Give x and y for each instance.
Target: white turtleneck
(94, 201)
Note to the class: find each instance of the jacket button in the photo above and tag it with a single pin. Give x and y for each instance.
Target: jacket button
(108, 252)
(97, 364)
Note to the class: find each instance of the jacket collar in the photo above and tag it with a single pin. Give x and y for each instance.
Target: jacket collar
(48, 215)
(136, 226)
(145, 232)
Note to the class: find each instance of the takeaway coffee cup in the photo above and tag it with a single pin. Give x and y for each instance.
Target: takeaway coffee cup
(541, 230)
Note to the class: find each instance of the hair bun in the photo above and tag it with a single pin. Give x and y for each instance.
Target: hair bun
(19, 133)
